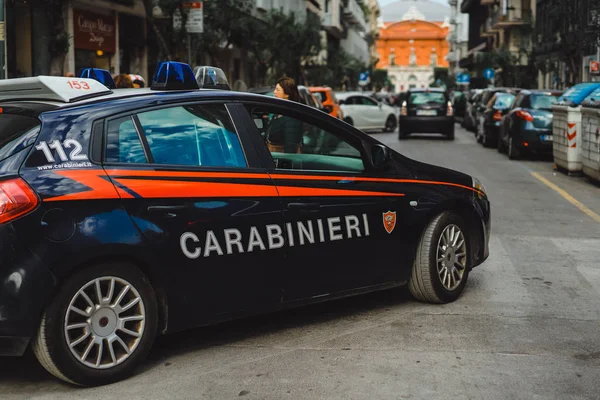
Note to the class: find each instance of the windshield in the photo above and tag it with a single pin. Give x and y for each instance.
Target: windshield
(542, 102)
(504, 100)
(419, 98)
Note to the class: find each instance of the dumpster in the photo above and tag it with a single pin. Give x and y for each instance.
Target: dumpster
(590, 135)
(566, 127)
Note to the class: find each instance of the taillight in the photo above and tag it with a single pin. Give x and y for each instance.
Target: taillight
(524, 115)
(450, 111)
(498, 116)
(16, 199)
(404, 110)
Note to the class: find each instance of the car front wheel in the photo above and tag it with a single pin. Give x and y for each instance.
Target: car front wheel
(440, 269)
(391, 124)
(99, 327)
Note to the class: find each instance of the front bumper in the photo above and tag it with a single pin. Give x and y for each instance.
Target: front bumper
(414, 124)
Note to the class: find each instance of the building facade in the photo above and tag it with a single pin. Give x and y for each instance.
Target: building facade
(99, 33)
(410, 49)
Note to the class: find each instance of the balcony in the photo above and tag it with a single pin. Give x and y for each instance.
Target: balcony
(332, 24)
(355, 16)
(512, 18)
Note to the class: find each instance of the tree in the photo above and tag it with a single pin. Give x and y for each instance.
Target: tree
(285, 44)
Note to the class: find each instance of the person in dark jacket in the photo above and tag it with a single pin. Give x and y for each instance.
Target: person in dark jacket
(284, 134)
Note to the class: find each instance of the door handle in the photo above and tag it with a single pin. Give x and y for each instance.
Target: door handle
(165, 209)
(304, 206)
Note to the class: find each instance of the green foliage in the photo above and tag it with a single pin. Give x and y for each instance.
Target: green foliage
(379, 79)
(342, 69)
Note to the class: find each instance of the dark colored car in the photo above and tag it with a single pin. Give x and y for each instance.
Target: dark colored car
(469, 121)
(427, 111)
(306, 97)
(491, 117)
(527, 127)
(484, 102)
(459, 102)
(132, 213)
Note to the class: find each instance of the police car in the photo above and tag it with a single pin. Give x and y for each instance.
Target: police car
(131, 213)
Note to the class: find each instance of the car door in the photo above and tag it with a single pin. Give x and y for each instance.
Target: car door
(192, 184)
(510, 118)
(340, 216)
(374, 113)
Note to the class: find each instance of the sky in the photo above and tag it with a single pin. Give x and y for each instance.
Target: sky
(386, 2)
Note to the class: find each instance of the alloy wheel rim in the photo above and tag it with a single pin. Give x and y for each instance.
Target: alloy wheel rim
(104, 322)
(451, 257)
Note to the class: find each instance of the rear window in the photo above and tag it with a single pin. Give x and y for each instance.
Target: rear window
(419, 98)
(16, 133)
(504, 100)
(542, 101)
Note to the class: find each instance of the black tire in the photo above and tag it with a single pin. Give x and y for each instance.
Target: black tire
(501, 147)
(391, 124)
(349, 121)
(50, 342)
(425, 283)
(513, 152)
(450, 134)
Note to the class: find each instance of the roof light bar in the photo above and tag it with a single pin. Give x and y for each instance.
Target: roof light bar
(171, 75)
(101, 75)
(54, 88)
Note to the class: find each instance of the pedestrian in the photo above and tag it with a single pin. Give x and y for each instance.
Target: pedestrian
(284, 134)
(123, 81)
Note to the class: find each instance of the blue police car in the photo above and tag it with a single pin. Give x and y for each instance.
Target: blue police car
(131, 213)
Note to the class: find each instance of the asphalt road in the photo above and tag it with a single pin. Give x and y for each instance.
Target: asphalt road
(527, 326)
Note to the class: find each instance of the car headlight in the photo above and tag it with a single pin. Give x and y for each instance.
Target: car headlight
(479, 186)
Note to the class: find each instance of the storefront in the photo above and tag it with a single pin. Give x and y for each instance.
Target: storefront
(95, 40)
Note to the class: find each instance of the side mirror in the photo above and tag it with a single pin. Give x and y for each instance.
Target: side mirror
(380, 155)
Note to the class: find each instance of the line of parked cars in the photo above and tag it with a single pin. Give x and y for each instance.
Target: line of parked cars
(516, 121)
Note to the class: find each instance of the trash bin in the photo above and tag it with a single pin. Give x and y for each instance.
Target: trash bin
(590, 135)
(566, 126)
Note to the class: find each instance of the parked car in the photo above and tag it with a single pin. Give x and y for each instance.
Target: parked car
(491, 117)
(527, 127)
(483, 104)
(469, 121)
(366, 113)
(327, 97)
(459, 102)
(427, 111)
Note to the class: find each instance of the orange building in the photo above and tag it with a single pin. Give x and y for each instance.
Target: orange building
(411, 48)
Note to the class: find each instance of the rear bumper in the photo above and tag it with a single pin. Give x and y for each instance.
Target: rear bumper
(413, 124)
(533, 138)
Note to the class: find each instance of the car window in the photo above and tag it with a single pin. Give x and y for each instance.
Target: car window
(321, 96)
(503, 100)
(543, 102)
(296, 144)
(123, 144)
(367, 101)
(419, 98)
(192, 135)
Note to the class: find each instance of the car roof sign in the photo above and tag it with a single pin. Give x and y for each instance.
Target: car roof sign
(171, 75)
(53, 88)
(101, 75)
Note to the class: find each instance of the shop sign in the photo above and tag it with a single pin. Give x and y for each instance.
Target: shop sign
(94, 31)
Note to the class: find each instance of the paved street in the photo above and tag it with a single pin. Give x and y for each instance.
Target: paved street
(526, 327)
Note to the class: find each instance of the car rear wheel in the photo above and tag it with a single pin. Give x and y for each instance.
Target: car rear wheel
(99, 327)
(349, 121)
(450, 133)
(501, 146)
(513, 152)
(440, 269)
(391, 124)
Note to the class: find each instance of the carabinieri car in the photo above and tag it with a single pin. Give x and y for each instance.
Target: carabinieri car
(130, 213)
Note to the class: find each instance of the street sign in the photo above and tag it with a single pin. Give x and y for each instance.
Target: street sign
(489, 73)
(463, 78)
(195, 22)
(594, 67)
(363, 78)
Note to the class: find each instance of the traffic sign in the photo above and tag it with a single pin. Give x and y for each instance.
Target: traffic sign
(463, 78)
(489, 73)
(594, 67)
(195, 20)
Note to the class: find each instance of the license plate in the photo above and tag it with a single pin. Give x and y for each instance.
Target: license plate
(546, 138)
(426, 112)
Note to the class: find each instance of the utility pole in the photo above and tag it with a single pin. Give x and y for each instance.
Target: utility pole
(454, 36)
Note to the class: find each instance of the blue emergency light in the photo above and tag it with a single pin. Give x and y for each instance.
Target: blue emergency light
(171, 75)
(101, 75)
